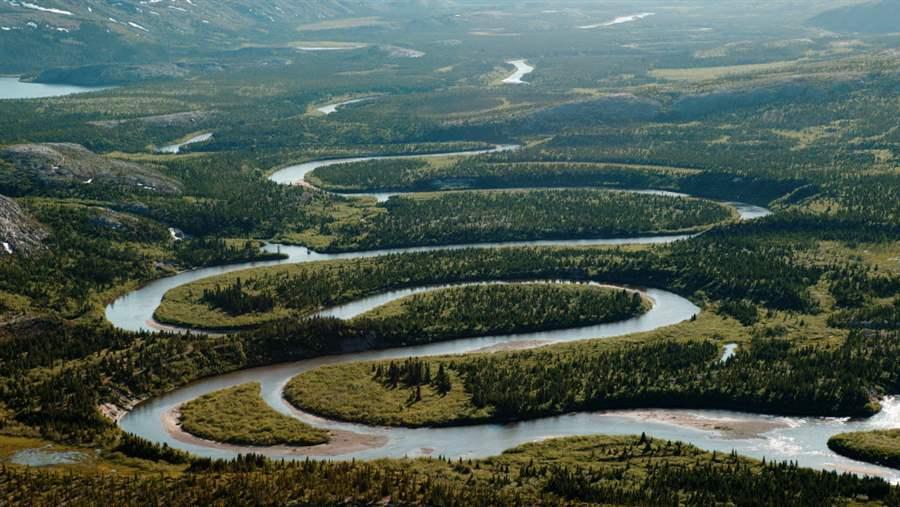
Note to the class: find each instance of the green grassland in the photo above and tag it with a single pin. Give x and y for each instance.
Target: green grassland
(238, 415)
(881, 447)
(351, 391)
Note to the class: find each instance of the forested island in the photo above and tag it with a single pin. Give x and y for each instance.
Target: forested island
(881, 447)
(484, 217)
(502, 309)
(238, 415)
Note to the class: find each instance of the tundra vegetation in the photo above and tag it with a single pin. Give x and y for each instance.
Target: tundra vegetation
(766, 108)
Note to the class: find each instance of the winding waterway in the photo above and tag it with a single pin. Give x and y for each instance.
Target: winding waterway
(522, 70)
(779, 438)
(333, 108)
(174, 149)
(296, 174)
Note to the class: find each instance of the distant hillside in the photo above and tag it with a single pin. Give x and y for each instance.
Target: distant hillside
(45, 33)
(872, 17)
(53, 164)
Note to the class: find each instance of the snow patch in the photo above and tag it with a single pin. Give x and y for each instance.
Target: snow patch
(619, 20)
(45, 9)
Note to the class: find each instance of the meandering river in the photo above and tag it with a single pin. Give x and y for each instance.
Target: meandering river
(296, 175)
(175, 148)
(522, 70)
(779, 438)
(333, 108)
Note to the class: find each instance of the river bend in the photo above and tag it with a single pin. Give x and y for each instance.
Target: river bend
(779, 438)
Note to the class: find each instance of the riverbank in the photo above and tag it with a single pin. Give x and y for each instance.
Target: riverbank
(522, 70)
(880, 447)
(238, 415)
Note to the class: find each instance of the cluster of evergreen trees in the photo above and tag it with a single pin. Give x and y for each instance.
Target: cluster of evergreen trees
(212, 250)
(413, 373)
(615, 471)
(234, 300)
(499, 309)
(478, 217)
(762, 262)
(771, 375)
(870, 316)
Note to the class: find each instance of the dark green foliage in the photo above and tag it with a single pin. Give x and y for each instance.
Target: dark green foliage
(546, 170)
(871, 316)
(741, 262)
(138, 447)
(627, 471)
(500, 309)
(465, 217)
(212, 251)
(412, 372)
(744, 312)
(771, 376)
(853, 286)
(233, 300)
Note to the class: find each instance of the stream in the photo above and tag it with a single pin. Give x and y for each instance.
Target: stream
(800, 439)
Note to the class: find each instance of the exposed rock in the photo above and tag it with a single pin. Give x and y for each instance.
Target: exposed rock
(19, 233)
(63, 163)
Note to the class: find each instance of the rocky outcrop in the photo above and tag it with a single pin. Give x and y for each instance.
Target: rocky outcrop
(19, 233)
(63, 163)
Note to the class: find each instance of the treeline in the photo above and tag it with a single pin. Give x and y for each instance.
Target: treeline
(212, 251)
(771, 376)
(761, 262)
(764, 262)
(539, 169)
(853, 286)
(628, 470)
(95, 364)
(458, 218)
(234, 300)
(368, 175)
(413, 373)
(499, 309)
(870, 316)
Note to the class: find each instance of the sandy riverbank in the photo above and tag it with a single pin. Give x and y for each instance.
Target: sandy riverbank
(340, 442)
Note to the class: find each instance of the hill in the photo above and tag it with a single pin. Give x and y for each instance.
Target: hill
(872, 17)
(19, 233)
(42, 34)
(55, 164)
